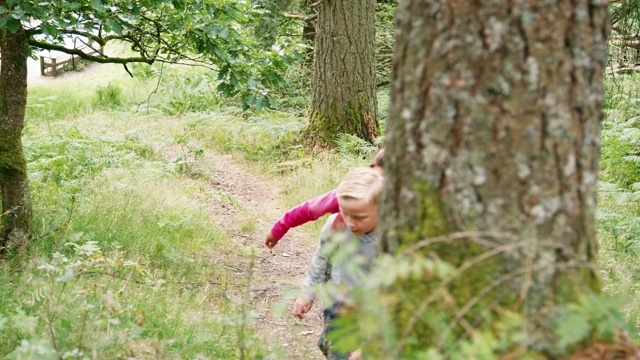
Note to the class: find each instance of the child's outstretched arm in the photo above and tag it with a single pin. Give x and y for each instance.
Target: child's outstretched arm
(309, 210)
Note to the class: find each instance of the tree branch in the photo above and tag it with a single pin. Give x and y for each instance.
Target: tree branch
(623, 70)
(99, 59)
(301, 17)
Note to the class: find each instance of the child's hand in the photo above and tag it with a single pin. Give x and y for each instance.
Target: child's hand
(356, 355)
(271, 241)
(301, 307)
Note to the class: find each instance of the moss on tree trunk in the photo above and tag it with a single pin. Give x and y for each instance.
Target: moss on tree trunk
(495, 132)
(344, 90)
(16, 219)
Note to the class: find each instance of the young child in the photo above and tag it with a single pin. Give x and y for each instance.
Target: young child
(313, 209)
(358, 196)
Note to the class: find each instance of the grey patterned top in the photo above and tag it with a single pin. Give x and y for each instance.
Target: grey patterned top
(341, 258)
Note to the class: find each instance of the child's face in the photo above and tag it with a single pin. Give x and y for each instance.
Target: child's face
(359, 215)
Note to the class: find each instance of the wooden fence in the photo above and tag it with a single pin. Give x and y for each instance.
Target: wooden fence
(52, 66)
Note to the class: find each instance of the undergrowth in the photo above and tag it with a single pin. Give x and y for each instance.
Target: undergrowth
(618, 210)
(121, 264)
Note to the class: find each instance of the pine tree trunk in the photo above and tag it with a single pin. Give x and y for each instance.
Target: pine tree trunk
(497, 110)
(344, 89)
(15, 219)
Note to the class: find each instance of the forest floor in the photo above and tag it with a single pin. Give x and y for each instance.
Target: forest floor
(276, 273)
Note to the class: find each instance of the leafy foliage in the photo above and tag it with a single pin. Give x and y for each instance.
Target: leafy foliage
(199, 32)
(626, 14)
(597, 316)
(385, 39)
(108, 96)
(354, 147)
(625, 20)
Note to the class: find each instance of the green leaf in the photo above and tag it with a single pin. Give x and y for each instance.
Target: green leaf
(18, 14)
(260, 103)
(98, 6)
(50, 30)
(224, 33)
(223, 72)
(573, 329)
(272, 102)
(74, 6)
(178, 4)
(251, 83)
(298, 56)
(114, 25)
(13, 25)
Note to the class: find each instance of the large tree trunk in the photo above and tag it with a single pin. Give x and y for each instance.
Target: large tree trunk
(344, 89)
(494, 129)
(15, 219)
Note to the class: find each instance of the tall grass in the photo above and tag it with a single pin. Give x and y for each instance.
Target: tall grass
(123, 263)
(618, 210)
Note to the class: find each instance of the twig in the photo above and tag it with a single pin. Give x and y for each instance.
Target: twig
(154, 90)
(527, 284)
(126, 282)
(630, 343)
(50, 326)
(495, 283)
(623, 70)
(474, 236)
(447, 280)
(264, 288)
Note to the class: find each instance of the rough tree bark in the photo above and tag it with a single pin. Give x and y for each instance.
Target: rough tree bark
(344, 88)
(15, 220)
(494, 128)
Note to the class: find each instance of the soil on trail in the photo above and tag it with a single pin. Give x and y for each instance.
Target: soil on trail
(247, 197)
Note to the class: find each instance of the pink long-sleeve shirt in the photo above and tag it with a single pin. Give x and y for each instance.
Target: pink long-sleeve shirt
(309, 210)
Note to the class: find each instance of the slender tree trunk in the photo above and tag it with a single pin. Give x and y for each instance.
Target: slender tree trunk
(15, 220)
(494, 131)
(344, 89)
(309, 38)
(308, 31)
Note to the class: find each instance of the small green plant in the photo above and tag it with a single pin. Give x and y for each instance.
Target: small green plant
(593, 318)
(351, 146)
(108, 96)
(190, 153)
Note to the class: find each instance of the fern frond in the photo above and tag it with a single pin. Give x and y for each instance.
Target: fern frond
(632, 158)
(351, 145)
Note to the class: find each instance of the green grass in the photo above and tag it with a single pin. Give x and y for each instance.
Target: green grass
(124, 265)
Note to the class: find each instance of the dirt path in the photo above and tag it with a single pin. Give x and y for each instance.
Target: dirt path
(245, 204)
(248, 198)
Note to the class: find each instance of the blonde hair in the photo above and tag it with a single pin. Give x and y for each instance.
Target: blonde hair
(361, 183)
